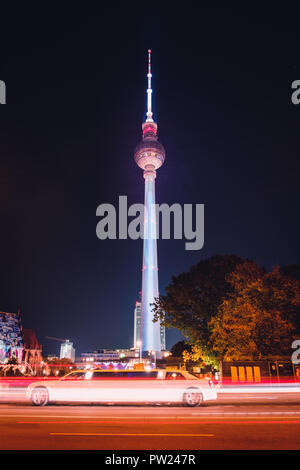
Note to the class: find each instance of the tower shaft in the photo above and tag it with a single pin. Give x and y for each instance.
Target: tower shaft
(150, 331)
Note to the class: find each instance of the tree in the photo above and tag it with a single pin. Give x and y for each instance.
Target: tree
(192, 298)
(197, 354)
(231, 308)
(259, 318)
(178, 348)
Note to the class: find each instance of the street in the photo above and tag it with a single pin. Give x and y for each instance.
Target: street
(248, 421)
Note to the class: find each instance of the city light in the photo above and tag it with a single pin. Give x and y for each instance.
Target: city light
(153, 353)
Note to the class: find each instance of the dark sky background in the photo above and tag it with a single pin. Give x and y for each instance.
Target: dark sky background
(76, 99)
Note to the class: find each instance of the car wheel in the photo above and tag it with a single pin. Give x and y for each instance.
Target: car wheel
(40, 396)
(192, 397)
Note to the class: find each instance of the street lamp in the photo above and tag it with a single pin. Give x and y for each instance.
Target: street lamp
(139, 345)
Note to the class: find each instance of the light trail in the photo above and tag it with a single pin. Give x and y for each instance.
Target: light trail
(127, 434)
(166, 422)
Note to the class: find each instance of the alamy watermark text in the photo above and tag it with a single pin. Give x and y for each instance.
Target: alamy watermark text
(188, 222)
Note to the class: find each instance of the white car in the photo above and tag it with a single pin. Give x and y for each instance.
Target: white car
(126, 386)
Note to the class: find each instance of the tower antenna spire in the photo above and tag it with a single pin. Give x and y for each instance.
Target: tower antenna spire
(149, 113)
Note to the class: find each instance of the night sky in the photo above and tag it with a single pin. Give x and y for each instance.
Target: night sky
(76, 98)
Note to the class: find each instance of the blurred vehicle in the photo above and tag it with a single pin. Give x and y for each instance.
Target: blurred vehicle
(126, 386)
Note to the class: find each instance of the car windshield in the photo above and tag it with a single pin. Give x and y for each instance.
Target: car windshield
(192, 375)
(174, 376)
(74, 376)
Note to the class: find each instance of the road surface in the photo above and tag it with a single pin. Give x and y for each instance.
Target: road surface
(260, 421)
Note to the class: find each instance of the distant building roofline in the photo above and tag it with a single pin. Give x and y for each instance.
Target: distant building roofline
(10, 313)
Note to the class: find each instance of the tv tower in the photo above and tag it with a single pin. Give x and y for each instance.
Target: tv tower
(149, 155)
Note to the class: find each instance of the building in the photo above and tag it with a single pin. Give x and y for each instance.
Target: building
(108, 359)
(149, 155)
(102, 355)
(137, 329)
(67, 351)
(137, 325)
(11, 341)
(32, 349)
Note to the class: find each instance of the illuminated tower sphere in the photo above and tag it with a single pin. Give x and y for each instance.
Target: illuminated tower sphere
(149, 155)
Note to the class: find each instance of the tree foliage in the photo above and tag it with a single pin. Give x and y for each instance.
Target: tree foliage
(230, 308)
(197, 354)
(259, 318)
(179, 347)
(193, 297)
